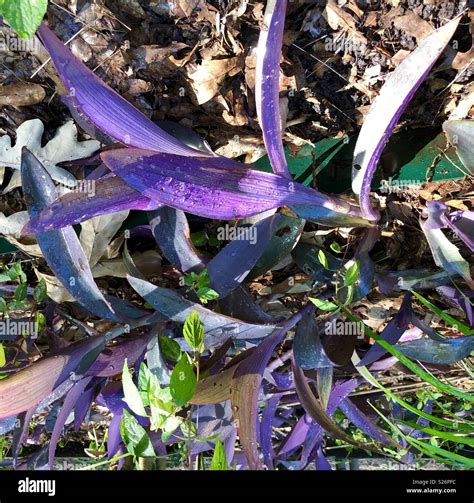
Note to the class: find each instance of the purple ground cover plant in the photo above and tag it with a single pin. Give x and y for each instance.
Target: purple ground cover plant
(229, 366)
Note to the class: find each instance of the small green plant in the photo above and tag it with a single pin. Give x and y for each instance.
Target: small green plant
(199, 283)
(163, 405)
(19, 302)
(344, 285)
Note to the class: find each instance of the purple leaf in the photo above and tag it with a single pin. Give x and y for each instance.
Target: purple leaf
(69, 403)
(329, 217)
(239, 304)
(460, 300)
(444, 352)
(110, 195)
(362, 421)
(217, 327)
(339, 392)
(296, 436)
(445, 254)
(246, 386)
(103, 107)
(314, 409)
(308, 349)
(29, 386)
(267, 83)
(233, 263)
(216, 188)
(410, 279)
(321, 462)
(171, 231)
(110, 361)
(385, 112)
(61, 248)
(266, 430)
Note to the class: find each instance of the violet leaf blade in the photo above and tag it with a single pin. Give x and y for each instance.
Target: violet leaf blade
(246, 385)
(29, 386)
(105, 108)
(171, 231)
(267, 83)
(362, 421)
(445, 254)
(233, 263)
(176, 308)
(212, 187)
(107, 195)
(394, 96)
(61, 248)
(70, 401)
(444, 352)
(329, 217)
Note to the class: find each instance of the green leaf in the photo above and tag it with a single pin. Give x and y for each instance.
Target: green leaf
(131, 394)
(40, 321)
(190, 279)
(169, 348)
(3, 359)
(335, 247)
(183, 381)
(199, 238)
(323, 259)
(16, 271)
(193, 332)
(203, 279)
(135, 437)
(458, 325)
(39, 293)
(219, 459)
(205, 293)
(324, 305)
(21, 292)
(426, 376)
(352, 274)
(24, 16)
(3, 305)
(452, 437)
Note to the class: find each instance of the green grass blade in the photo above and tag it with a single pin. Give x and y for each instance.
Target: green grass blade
(423, 374)
(453, 322)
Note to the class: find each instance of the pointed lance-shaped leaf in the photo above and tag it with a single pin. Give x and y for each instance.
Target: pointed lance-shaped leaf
(29, 386)
(385, 112)
(315, 410)
(445, 254)
(170, 229)
(61, 248)
(109, 194)
(246, 385)
(444, 352)
(229, 268)
(212, 187)
(217, 327)
(103, 107)
(267, 83)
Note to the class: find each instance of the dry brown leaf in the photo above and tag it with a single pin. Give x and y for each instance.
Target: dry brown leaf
(21, 94)
(205, 79)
